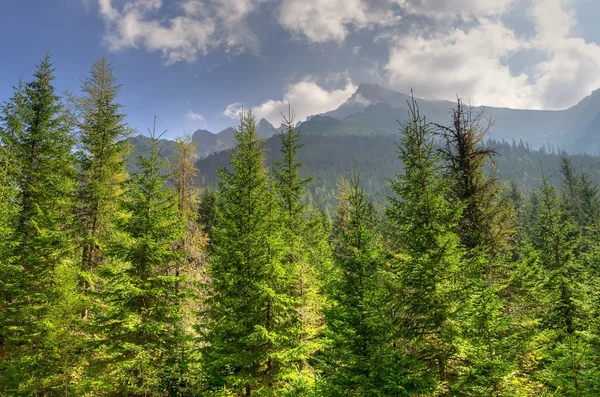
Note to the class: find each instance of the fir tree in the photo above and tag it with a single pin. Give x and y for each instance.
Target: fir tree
(565, 315)
(357, 359)
(253, 325)
(301, 251)
(426, 272)
(37, 327)
(141, 298)
(101, 136)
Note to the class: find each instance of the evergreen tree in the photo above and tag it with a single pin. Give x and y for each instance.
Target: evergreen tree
(565, 317)
(426, 270)
(37, 327)
(101, 136)
(137, 330)
(9, 208)
(301, 251)
(358, 360)
(192, 262)
(485, 228)
(207, 211)
(253, 323)
(484, 223)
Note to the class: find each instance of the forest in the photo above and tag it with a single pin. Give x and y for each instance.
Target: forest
(148, 283)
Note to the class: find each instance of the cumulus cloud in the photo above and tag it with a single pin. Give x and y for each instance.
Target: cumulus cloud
(194, 116)
(462, 47)
(198, 27)
(322, 21)
(306, 97)
(467, 62)
(452, 8)
(233, 111)
(474, 61)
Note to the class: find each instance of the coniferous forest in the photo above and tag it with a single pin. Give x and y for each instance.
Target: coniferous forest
(146, 283)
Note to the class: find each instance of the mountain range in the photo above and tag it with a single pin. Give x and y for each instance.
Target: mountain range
(375, 110)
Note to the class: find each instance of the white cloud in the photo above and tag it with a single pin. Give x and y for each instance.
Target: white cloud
(306, 97)
(464, 62)
(201, 26)
(474, 62)
(572, 67)
(451, 8)
(322, 21)
(194, 116)
(233, 111)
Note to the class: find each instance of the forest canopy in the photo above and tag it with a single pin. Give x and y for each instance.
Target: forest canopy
(450, 274)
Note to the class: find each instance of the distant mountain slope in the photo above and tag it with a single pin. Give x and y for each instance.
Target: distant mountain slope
(328, 158)
(365, 126)
(205, 141)
(373, 110)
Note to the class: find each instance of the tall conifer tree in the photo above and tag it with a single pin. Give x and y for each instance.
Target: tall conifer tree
(101, 136)
(303, 253)
(141, 298)
(38, 339)
(253, 323)
(358, 359)
(426, 272)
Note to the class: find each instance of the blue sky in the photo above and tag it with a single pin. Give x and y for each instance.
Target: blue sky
(193, 63)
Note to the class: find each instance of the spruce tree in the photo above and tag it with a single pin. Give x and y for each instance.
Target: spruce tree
(137, 330)
(252, 317)
(9, 208)
(101, 139)
(426, 271)
(358, 359)
(565, 332)
(486, 227)
(192, 262)
(484, 223)
(37, 328)
(303, 253)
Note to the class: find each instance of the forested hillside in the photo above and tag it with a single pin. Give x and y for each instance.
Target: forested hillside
(329, 158)
(426, 276)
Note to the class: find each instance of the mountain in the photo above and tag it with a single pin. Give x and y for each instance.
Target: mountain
(206, 142)
(373, 110)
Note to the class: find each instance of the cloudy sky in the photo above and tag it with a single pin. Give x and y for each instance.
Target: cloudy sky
(194, 63)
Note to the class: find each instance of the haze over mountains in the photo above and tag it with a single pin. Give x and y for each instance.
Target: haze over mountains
(374, 110)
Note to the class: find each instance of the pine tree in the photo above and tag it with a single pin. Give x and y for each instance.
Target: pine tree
(38, 339)
(426, 273)
(101, 136)
(252, 318)
(141, 298)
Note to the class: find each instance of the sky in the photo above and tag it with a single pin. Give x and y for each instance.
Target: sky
(194, 63)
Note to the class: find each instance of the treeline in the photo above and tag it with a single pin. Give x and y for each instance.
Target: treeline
(328, 158)
(148, 285)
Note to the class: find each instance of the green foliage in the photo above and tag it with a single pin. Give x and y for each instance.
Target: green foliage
(101, 162)
(359, 358)
(427, 270)
(136, 332)
(253, 323)
(35, 327)
(149, 286)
